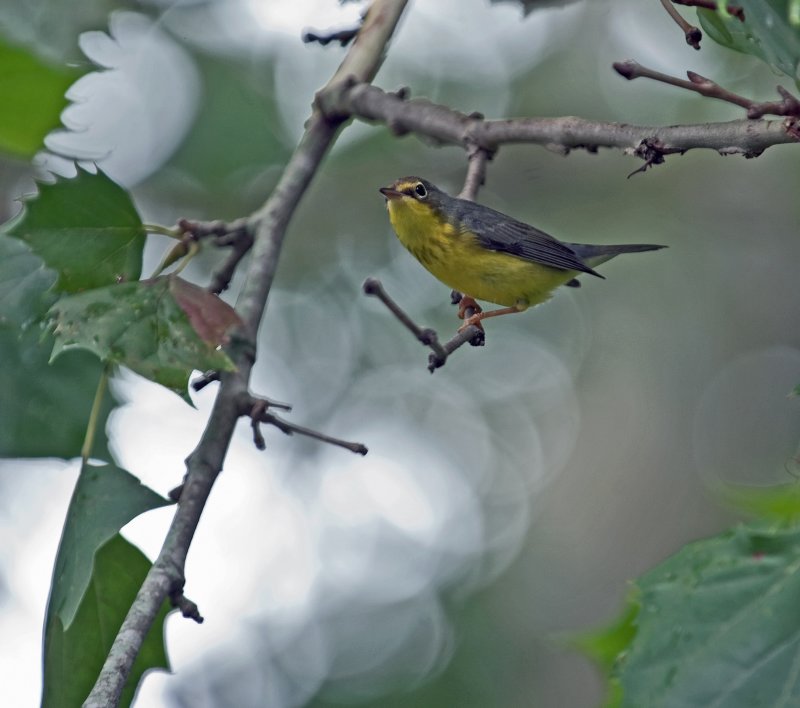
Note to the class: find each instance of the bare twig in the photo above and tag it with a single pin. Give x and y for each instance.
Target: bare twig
(788, 106)
(693, 34)
(207, 378)
(235, 235)
(427, 336)
(204, 464)
(734, 10)
(257, 410)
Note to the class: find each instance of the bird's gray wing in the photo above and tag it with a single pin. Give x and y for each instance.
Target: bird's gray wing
(499, 232)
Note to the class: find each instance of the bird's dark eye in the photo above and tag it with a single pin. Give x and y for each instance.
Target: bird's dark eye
(420, 190)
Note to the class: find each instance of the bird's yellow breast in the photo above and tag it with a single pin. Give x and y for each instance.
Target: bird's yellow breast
(457, 258)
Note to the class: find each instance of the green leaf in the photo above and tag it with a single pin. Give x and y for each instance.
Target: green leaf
(33, 98)
(780, 502)
(45, 408)
(606, 644)
(105, 499)
(23, 281)
(73, 657)
(719, 625)
(86, 229)
(161, 328)
(767, 32)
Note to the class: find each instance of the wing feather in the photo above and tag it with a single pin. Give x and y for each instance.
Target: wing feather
(499, 232)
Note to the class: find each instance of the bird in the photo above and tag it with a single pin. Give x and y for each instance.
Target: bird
(485, 254)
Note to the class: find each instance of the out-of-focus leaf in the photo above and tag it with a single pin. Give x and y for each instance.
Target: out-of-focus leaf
(719, 625)
(105, 499)
(74, 656)
(33, 98)
(23, 281)
(606, 644)
(44, 408)
(766, 33)
(780, 502)
(86, 229)
(161, 328)
(235, 139)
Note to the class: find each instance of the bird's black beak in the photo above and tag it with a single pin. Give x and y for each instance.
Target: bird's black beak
(390, 193)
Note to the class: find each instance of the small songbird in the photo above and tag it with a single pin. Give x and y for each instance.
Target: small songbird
(485, 254)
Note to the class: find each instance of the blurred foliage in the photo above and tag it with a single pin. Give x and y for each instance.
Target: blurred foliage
(33, 98)
(24, 280)
(768, 32)
(45, 406)
(237, 137)
(779, 503)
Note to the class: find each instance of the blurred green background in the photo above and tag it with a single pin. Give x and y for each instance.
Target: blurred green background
(508, 498)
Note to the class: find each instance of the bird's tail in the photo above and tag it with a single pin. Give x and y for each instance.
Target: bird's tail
(595, 254)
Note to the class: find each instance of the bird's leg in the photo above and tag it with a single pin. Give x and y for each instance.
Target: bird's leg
(478, 316)
(468, 303)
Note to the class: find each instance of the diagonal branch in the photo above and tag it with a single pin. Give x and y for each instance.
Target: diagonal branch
(204, 464)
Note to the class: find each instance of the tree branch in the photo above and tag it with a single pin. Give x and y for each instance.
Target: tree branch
(445, 126)
(204, 464)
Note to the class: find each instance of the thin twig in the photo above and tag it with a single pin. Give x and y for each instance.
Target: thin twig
(204, 464)
(290, 428)
(788, 106)
(257, 410)
(693, 34)
(425, 335)
(235, 235)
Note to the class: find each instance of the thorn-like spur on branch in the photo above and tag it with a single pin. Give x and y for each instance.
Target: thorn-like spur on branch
(693, 34)
(789, 106)
(236, 235)
(188, 609)
(207, 378)
(427, 336)
(257, 410)
(734, 10)
(344, 36)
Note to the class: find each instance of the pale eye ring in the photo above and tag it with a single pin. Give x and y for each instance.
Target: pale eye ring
(420, 190)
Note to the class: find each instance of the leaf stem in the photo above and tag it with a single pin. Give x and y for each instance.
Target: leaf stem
(94, 416)
(171, 232)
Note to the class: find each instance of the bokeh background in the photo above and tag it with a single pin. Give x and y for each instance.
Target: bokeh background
(508, 498)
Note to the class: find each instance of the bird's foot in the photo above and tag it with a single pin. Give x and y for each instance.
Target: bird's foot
(475, 321)
(468, 303)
